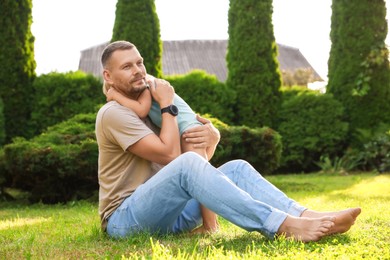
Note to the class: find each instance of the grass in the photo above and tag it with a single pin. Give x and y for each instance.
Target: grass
(72, 231)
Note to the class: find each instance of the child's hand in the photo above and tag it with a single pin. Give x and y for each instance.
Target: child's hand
(150, 80)
(111, 92)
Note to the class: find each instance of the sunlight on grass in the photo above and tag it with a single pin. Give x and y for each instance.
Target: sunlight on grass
(72, 231)
(378, 186)
(18, 222)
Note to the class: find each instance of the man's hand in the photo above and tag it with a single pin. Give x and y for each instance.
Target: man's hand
(161, 91)
(202, 136)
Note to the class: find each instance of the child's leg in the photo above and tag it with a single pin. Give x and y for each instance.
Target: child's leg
(210, 222)
(185, 119)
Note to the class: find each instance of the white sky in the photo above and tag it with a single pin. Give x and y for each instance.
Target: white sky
(62, 28)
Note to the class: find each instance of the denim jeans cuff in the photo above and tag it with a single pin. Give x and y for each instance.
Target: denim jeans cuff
(296, 210)
(273, 222)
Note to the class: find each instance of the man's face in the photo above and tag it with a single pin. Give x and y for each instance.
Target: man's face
(126, 72)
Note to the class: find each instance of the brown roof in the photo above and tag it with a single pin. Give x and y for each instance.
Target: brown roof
(181, 57)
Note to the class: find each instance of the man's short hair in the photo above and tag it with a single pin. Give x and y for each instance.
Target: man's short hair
(112, 47)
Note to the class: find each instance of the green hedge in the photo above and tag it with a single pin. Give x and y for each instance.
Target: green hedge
(2, 123)
(205, 94)
(262, 147)
(56, 166)
(61, 164)
(59, 96)
(311, 126)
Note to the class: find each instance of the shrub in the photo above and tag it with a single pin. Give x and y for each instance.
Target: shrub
(61, 164)
(311, 126)
(341, 165)
(59, 96)
(300, 77)
(205, 94)
(374, 151)
(2, 123)
(57, 166)
(262, 147)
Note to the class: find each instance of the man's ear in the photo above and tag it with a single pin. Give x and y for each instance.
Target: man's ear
(107, 77)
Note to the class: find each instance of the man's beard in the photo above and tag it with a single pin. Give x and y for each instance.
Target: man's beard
(135, 91)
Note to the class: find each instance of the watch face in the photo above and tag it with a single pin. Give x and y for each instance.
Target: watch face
(171, 109)
(174, 109)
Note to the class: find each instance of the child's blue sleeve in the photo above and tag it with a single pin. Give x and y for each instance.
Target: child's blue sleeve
(185, 119)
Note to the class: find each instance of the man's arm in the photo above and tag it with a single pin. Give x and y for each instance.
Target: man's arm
(164, 148)
(205, 136)
(141, 106)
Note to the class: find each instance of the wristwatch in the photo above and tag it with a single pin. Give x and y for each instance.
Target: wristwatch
(171, 109)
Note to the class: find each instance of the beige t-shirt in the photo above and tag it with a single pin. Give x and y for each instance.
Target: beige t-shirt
(120, 172)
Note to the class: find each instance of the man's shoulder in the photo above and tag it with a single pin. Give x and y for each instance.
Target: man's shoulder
(112, 105)
(113, 108)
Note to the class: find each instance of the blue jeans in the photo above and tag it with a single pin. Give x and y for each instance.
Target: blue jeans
(169, 201)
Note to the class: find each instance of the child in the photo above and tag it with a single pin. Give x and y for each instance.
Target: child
(186, 119)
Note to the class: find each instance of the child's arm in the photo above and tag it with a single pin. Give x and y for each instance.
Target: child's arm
(141, 106)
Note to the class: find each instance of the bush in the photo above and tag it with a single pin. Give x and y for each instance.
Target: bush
(59, 96)
(261, 147)
(311, 126)
(374, 151)
(205, 94)
(61, 164)
(300, 77)
(57, 166)
(2, 123)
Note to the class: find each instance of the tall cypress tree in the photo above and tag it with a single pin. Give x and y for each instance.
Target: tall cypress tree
(359, 74)
(17, 64)
(136, 21)
(252, 62)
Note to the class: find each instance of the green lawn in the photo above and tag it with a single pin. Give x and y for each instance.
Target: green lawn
(72, 231)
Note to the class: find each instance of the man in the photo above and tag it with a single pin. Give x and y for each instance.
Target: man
(136, 195)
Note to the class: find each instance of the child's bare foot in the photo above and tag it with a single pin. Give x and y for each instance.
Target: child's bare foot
(306, 229)
(202, 230)
(344, 219)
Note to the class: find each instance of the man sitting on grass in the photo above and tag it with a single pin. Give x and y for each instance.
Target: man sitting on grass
(136, 194)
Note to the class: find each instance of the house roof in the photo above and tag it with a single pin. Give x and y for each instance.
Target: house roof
(181, 57)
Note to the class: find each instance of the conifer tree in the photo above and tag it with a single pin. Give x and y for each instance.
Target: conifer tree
(359, 74)
(136, 21)
(252, 62)
(17, 64)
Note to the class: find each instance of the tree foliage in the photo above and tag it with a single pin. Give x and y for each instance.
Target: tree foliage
(2, 122)
(252, 62)
(136, 21)
(17, 64)
(359, 73)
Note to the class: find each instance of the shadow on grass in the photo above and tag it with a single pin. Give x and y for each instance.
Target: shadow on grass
(239, 244)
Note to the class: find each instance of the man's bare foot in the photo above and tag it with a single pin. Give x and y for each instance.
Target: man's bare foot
(344, 219)
(306, 229)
